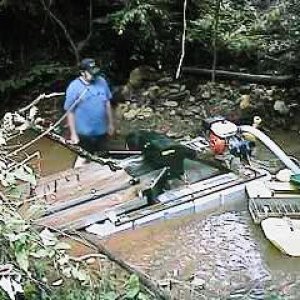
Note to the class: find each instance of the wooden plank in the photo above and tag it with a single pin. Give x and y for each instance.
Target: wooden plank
(75, 183)
(87, 210)
(100, 216)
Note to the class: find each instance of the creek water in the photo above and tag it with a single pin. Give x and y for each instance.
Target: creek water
(224, 250)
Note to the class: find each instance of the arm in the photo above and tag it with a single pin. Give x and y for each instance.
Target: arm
(71, 123)
(111, 127)
(71, 96)
(109, 112)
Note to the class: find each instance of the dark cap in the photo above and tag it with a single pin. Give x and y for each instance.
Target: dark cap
(89, 64)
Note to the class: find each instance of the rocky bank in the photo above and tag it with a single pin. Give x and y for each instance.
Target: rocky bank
(178, 107)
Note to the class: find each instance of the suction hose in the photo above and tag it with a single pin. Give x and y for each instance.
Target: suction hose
(272, 146)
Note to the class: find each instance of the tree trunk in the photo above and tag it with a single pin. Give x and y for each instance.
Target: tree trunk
(265, 79)
(215, 38)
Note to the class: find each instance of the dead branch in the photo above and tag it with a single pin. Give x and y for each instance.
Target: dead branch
(182, 41)
(147, 282)
(51, 127)
(214, 41)
(64, 29)
(84, 42)
(38, 99)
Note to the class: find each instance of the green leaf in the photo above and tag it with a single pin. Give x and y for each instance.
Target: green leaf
(40, 253)
(21, 174)
(109, 296)
(15, 191)
(132, 287)
(79, 274)
(132, 293)
(142, 296)
(22, 259)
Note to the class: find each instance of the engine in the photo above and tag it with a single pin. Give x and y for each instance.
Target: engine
(225, 139)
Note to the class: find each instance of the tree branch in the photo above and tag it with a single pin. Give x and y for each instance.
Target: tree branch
(182, 40)
(63, 27)
(214, 41)
(84, 42)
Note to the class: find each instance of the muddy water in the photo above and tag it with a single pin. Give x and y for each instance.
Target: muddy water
(225, 251)
(53, 157)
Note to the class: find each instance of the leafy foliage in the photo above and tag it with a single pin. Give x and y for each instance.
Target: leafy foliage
(141, 22)
(41, 75)
(34, 260)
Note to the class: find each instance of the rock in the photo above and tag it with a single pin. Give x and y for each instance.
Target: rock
(175, 86)
(173, 112)
(145, 113)
(192, 99)
(179, 96)
(170, 103)
(165, 80)
(182, 88)
(196, 109)
(198, 282)
(245, 89)
(205, 95)
(173, 91)
(187, 113)
(140, 75)
(244, 101)
(281, 107)
(131, 114)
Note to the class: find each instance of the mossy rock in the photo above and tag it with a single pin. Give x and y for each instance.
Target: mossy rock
(142, 74)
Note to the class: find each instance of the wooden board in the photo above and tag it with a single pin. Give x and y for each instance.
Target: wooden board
(75, 183)
(284, 234)
(93, 211)
(71, 207)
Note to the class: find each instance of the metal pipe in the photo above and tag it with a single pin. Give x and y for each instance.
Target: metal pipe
(272, 146)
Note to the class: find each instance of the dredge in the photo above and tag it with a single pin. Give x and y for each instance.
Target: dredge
(159, 178)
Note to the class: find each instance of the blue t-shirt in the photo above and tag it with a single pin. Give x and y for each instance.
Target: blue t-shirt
(90, 113)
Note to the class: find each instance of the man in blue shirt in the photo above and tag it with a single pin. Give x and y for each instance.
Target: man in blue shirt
(90, 118)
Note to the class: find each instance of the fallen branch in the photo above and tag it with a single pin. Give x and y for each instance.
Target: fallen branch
(75, 103)
(145, 280)
(79, 150)
(38, 99)
(95, 244)
(269, 79)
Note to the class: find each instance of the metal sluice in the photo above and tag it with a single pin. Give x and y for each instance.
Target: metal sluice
(262, 208)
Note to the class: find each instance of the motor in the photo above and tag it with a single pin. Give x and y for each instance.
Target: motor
(227, 143)
(220, 132)
(240, 147)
